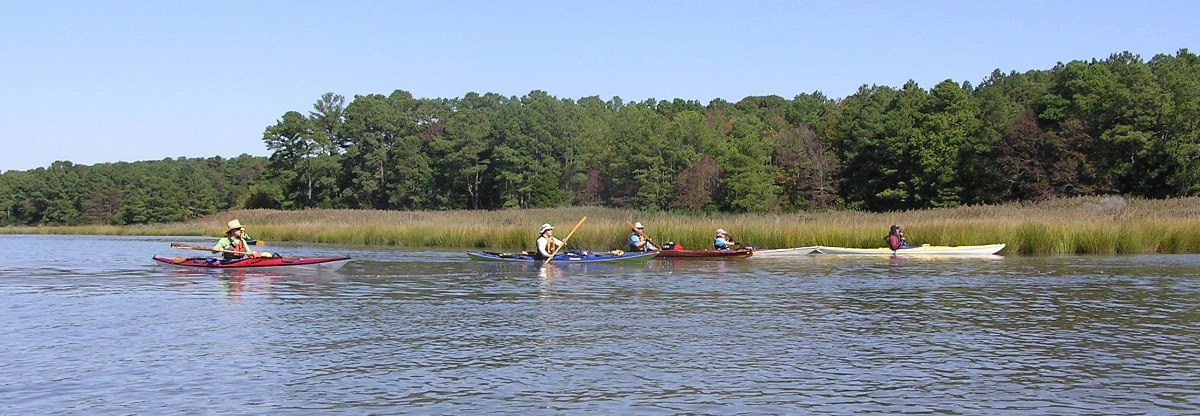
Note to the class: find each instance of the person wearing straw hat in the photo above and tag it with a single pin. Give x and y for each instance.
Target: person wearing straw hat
(722, 240)
(235, 245)
(639, 241)
(546, 243)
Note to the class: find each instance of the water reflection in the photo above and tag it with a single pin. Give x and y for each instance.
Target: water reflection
(717, 266)
(237, 281)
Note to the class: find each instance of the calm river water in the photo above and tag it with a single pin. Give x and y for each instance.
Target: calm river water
(90, 325)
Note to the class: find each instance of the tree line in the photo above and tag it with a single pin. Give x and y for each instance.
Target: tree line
(129, 193)
(1115, 126)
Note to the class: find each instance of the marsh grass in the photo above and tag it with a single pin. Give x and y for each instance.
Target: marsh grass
(1091, 225)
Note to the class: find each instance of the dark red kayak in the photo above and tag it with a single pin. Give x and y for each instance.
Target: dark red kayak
(311, 263)
(705, 254)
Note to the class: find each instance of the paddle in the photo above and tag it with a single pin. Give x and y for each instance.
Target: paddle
(209, 249)
(730, 240)
(581, 220)
(636, 230)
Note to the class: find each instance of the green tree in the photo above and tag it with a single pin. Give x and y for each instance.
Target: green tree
(873, 129)
(747, 184)
(949, 123)
(462, 157)
(595, 151)
(327, 118)
(292, 145)
(637, 176)
(1178, 135)
(694, 170)
(385, 164)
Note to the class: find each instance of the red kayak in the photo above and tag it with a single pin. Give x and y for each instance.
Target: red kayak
(705, 254)
(311, 263)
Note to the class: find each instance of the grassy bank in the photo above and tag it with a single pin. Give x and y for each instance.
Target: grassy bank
(1098, 225)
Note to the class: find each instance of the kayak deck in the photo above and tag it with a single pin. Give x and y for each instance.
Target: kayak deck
(311, 263)
(571, 258)
(705, 254)
(784, 252)
(987, 249)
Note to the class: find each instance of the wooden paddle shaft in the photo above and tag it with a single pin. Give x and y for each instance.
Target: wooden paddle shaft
(581, 220)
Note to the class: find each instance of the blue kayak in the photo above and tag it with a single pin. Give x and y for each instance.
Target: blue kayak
(566, 258)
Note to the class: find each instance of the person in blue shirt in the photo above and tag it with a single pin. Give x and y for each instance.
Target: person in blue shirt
(722, 240)
(639, 241)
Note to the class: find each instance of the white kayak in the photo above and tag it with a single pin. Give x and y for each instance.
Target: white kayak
(917, 251)
(779, 253)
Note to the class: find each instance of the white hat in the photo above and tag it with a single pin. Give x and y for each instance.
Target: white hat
(545, 227)
(638, 225)
(721, 231)
(234, 224)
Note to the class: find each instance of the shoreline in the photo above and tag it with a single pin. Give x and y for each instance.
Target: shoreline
(1083, 225)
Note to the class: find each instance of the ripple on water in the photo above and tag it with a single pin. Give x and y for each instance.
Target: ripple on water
(822, 334)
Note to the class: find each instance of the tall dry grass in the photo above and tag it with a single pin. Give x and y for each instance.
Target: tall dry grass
(1097, 225)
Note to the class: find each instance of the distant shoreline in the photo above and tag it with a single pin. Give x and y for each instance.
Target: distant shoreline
(1083, 225)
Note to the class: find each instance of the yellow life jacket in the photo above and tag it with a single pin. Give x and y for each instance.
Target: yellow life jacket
(550, 246)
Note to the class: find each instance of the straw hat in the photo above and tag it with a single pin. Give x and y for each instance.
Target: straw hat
(720, 231)
(638, 225)
(235, 224)
(545, 227)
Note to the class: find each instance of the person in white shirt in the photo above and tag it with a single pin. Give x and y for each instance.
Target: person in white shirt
(546, 243)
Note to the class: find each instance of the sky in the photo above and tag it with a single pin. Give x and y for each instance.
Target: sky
(95, 81)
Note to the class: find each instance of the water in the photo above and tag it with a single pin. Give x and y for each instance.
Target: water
(91, 326)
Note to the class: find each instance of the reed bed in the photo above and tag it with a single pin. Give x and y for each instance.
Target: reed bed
(1085, 225)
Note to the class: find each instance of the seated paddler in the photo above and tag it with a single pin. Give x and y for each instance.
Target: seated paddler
(722, 241)
(546, 243)
(639, 241)
(236, 245)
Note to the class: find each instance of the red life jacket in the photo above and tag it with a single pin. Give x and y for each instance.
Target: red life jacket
(238, 246)
(893, 241)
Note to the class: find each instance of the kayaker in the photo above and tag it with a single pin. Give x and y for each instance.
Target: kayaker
(722, 240)
(234, 245)
(546, 243)
(895, 238)
(639, 241)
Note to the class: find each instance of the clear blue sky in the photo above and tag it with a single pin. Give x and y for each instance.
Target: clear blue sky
(107, 81)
